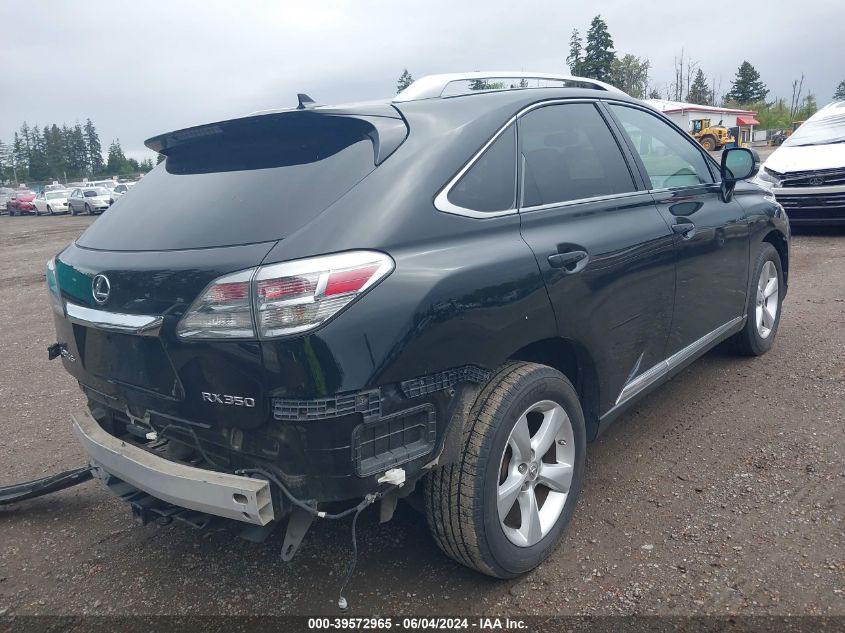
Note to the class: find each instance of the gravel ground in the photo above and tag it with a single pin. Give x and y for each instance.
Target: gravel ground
(722, 492)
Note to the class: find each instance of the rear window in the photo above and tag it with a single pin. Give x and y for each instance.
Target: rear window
(251, 180)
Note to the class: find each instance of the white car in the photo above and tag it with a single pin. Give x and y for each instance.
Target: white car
(5, 194)
(807, 173)
(51, 202)
(108, 184)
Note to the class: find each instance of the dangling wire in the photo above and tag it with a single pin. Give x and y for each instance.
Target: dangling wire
(341, 601)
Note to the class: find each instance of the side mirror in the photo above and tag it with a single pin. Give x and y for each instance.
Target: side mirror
(738, 163)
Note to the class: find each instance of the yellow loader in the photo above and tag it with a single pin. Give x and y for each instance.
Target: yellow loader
(712, 138)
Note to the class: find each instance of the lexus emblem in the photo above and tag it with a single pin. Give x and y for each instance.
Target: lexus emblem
(815, 181)
(100, 289)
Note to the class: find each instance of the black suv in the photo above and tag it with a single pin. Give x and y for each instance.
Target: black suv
(301, 312)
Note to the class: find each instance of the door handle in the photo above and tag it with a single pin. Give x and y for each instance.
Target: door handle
(685, 229)
(570, 261)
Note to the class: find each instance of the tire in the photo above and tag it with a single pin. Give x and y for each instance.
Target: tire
(72, 210)
(88, 209)
(708, 143)
(758, 334)
(50, 210)
(462, 499)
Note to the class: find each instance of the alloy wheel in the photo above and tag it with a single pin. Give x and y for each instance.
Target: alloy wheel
(767, 299)
(535, 473)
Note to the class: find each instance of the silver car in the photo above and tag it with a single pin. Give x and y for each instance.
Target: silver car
(89, 200)
(122, 188)
(5, 194)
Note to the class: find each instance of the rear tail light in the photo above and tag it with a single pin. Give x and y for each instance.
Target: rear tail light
(223, 310)
(283, 299)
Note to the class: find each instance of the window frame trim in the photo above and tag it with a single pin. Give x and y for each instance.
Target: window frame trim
(442, 203)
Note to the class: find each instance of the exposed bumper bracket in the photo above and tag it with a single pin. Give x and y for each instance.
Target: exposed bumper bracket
(221, 494)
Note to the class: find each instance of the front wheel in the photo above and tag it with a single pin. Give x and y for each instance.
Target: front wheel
(764, 303)
(503, 507)
(50, 210)
(88, 209)
(708, 143)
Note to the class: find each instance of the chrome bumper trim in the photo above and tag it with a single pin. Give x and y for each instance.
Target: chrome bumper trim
(221, 494)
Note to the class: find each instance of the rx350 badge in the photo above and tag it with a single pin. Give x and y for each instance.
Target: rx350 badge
(222, 398)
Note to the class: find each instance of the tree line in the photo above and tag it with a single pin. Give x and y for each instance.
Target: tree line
(594, 57)
(63, 153)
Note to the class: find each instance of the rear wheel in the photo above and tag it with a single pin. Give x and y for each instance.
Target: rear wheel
(764, 302)
(72, 210)
(503, 507)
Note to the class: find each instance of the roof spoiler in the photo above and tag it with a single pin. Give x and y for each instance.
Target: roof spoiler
(388, 132)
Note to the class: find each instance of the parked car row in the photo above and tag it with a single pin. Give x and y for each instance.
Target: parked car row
(88, 198)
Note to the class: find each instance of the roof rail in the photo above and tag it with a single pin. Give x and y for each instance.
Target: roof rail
(433, 86)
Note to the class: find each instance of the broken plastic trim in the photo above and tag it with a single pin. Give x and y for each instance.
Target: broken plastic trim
(45, 485)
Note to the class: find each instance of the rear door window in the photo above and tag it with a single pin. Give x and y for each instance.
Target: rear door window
(568, 154)
(489, 185)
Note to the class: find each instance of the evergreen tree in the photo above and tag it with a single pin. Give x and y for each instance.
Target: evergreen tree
(93, 149)
(26, 139)
(405, 80)
(598, 53)
(699, 91)
(840, 91)
(574, 60)
(5, 162)
(654, 94)
(77, 152)
(38, 167)
(146, 165)
(55, 151)
(116, 163)
(747, 87)
(20, 158)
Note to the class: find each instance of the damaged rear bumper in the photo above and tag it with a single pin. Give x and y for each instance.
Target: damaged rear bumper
(221, 494)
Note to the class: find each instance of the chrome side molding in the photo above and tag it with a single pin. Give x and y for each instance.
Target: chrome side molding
(652, 375)
(141, 324)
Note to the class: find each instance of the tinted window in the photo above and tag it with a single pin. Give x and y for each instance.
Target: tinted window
(490, 184)
(249, 180)
(569, 154)
(670, 159)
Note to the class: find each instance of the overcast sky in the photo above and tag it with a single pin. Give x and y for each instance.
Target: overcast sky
(144, 67)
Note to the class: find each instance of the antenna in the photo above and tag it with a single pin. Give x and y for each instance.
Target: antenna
(305, 101)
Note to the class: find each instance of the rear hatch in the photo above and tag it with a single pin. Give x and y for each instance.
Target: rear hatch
(226, 194)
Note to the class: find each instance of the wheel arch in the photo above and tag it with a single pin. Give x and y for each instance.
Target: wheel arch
(777, 239)
(574, 361)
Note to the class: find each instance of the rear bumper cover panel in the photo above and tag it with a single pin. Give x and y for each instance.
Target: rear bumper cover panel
(221, 494)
